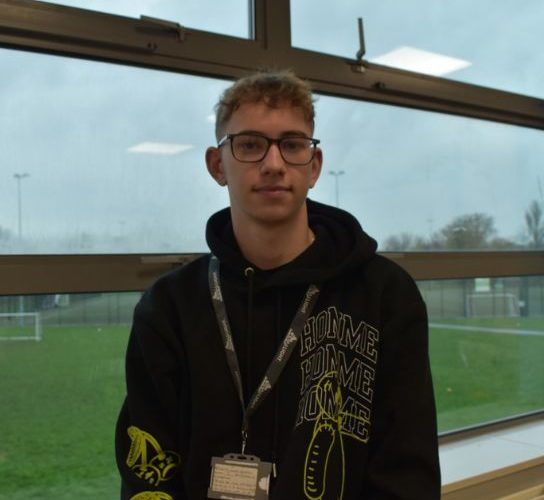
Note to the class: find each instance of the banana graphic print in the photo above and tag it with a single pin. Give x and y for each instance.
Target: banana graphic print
(149, 461)
(317, 459)
(326, 439)
(152, 495)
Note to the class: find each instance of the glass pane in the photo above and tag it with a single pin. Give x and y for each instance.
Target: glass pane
(486, 345)
(62, 385)
(486, 42)
(100, 158)
(425, 181)
(228, 18)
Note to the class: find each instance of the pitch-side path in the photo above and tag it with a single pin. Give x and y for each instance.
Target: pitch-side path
(504, 331)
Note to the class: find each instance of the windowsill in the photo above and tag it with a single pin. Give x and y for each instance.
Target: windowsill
(491, 464)
(487, 452)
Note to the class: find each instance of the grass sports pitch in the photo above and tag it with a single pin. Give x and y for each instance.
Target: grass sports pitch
(60, 397)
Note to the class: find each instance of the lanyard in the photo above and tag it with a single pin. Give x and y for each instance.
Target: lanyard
(280, 358)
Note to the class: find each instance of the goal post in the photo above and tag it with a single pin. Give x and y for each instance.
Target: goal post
(492, 304)
(21, 326)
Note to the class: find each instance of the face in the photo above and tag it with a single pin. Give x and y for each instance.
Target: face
(270, 191)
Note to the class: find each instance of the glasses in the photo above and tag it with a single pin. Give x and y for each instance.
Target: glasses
(249, 148)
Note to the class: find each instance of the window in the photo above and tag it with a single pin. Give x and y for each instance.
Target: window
(426, 181)
(61, 395)
(486, 43)
(229, 18)
(96, 163)
(107, 158)
(486, 339)
(102, 158)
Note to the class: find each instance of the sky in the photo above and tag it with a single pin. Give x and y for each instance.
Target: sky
(78, 129)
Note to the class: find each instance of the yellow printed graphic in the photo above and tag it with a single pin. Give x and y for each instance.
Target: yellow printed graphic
(148, 461)
(152, 495)
(327, 440)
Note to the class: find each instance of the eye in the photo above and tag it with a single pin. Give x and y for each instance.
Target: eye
(249, 143)
(294, 144)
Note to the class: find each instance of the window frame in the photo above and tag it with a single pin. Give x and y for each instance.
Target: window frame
(35, 274)
(75, 32)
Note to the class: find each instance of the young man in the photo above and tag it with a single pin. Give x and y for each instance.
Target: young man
(292, 362)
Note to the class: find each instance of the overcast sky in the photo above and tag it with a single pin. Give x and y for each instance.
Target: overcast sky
(79, 129)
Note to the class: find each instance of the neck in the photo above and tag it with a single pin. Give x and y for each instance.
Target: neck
(271, 246)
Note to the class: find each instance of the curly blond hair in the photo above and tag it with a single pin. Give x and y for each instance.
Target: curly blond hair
(275, 88)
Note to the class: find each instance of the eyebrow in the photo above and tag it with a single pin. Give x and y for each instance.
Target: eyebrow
(287, 133)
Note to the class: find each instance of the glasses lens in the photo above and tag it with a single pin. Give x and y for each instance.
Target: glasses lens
(297, 150)
(249, 147)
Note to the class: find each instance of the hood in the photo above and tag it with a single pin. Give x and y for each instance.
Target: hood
(340, 246)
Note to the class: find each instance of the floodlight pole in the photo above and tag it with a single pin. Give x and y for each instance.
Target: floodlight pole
(336, 174)
(19, 178)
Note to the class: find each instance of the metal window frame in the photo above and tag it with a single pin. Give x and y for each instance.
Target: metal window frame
(31, 25)
(36, 274)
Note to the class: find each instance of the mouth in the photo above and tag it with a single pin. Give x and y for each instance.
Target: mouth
(271, 189)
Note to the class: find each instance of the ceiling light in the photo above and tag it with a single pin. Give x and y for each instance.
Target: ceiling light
(159, 148)
(421, 61)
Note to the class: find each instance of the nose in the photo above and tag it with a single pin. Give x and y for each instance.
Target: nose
(273, 162)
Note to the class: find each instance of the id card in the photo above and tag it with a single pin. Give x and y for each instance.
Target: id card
(239, 477)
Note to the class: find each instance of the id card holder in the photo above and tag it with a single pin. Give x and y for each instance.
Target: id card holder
(239, 477)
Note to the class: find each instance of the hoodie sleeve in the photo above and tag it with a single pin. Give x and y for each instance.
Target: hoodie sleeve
(403, 462)
(149, 442)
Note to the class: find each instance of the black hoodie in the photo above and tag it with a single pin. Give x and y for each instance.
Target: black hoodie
(352, 415)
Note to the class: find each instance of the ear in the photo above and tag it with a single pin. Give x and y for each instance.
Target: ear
(215, 165)
(316, 165)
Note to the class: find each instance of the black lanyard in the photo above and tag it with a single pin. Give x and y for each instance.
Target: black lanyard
(280, 358)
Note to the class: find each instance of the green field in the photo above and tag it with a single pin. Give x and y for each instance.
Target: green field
(483, 376)
(59, 402)
(60, 398)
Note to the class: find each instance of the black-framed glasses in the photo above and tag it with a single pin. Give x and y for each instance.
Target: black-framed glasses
(249, 148)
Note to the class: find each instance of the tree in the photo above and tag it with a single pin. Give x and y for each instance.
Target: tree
(474, 231)
(470, 231)
(402, 242)
(535, 224)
